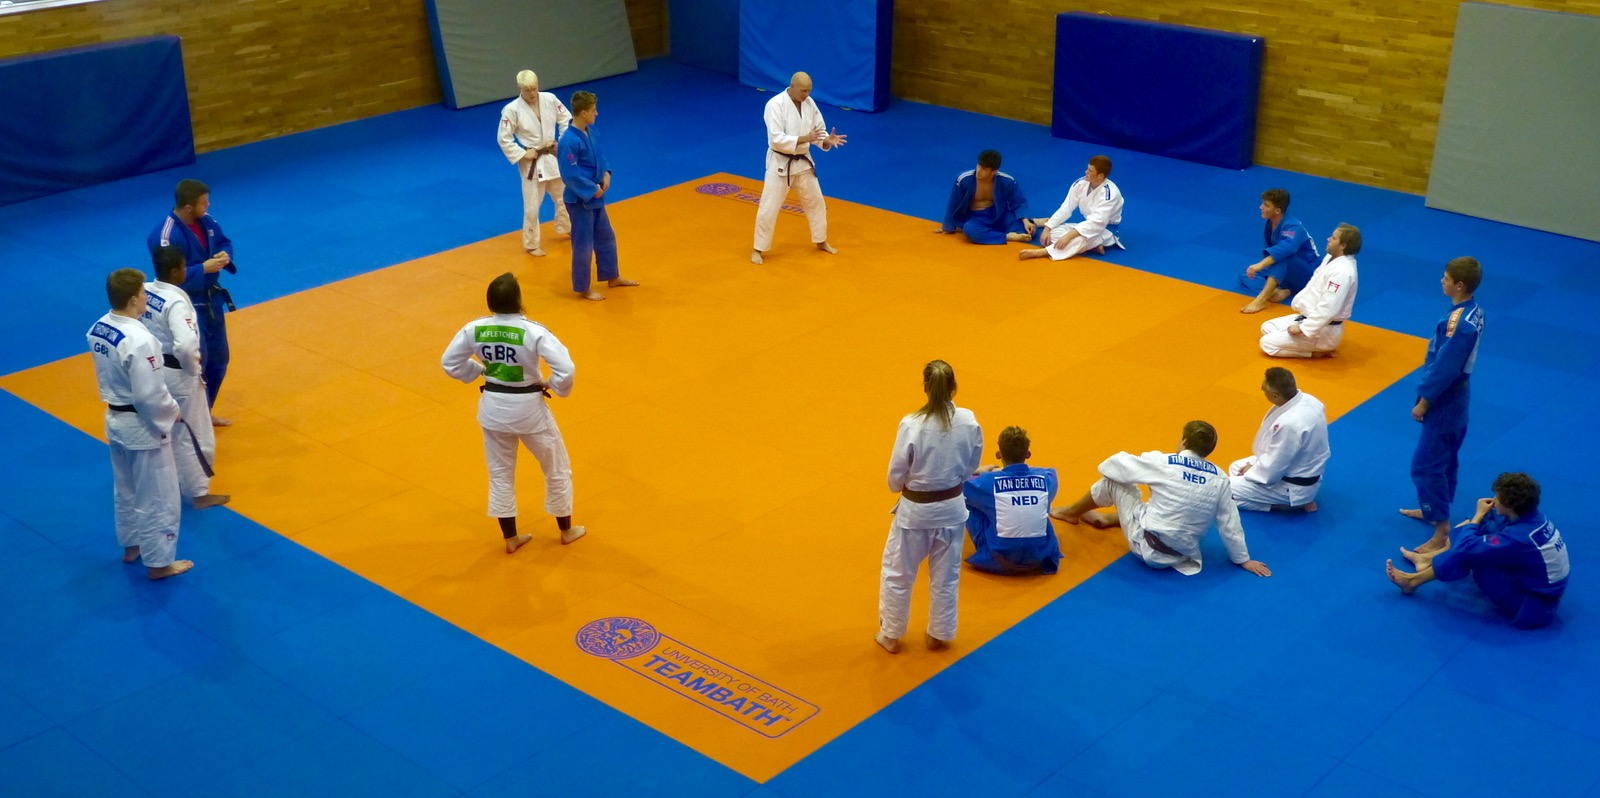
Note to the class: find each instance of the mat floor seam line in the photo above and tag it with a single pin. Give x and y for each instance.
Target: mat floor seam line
(1101, 737)
(128, 777)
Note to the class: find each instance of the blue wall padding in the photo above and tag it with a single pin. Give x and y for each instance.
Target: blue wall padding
(705, 34)
(1168, 90)
(91, 114)
(845, 50)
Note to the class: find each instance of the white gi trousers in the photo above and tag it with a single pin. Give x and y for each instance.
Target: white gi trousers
(1256, 497)
(533, 192)
(146, 502)
(903, 554)
(190, 395)
(1130, 514)
(500, 450)
(1277, 342)
(773, 194)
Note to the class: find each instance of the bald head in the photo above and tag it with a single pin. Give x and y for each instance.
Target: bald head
(799, 87)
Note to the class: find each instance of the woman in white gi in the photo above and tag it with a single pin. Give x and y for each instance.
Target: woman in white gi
(935, 451)
(530, 126)
(1322, 307)
(508, 347)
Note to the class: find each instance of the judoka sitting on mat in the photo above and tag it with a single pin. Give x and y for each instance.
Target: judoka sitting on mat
(986, 204)
(1008, 512)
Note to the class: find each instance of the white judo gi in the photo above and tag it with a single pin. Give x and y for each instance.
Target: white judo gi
(1187, 495)
(1321, 309)
(1101, 207)
(145, 497)
(524, 128)
(927, 458)
(508, 348)
(1292, 443)
(169, 316)
(789, 165)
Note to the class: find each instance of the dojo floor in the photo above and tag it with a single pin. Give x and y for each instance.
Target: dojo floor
(354, 627)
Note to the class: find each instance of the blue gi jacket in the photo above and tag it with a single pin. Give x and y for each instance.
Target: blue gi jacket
(173, 232)
(1529, 549)
(1452, 352)
(1009, 203)
(1292, 244)
(583, 166)
(1002, 498)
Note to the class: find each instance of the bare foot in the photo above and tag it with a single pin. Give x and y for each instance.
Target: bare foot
(130, 554)
(1064, 515)
(1100, 519)
(1030, 254)
(1280, 295)
(1417, 514)
(219, 421)
(1406, 582)
(935, 644)
(1430, 548)
(537, 252)
(594, 296)
(828, 248)
(177, 567)
(569, 535)
(1099, 250)
(1325, 353)
(755, 256)
(1018, 237)
(622, 283)
(889, 644)
(210, 500)
(1309, 507)
(512, 544)
(1414, 556)
(1256, 306)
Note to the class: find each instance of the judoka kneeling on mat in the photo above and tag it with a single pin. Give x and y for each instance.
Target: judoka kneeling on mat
(1008, 512)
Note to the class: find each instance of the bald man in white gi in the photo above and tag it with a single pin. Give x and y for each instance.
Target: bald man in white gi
(794, 124)
(530, 126)
(140, 412)
(169, 316)
(1100, 203)
(1289, 454)
(1187, 495)
(1322, 307)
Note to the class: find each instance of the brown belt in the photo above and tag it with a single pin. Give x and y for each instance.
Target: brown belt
(930, 496)
(1159, 545)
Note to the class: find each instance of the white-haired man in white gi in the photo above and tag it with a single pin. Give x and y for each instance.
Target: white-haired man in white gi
(794, 123)
(1098, 200)
(140, 412)
(1322, 307)
(1290, 451)
(1187, 495)
(169, 316)
(530, 126)
(508, 347)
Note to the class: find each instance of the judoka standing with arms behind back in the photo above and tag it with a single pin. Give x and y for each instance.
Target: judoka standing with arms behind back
(794, 123)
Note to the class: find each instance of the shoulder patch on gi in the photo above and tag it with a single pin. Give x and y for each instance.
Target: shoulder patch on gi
(1288, 234)
(1455, 318)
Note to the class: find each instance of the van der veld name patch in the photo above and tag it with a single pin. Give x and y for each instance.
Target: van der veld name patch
(695, 675)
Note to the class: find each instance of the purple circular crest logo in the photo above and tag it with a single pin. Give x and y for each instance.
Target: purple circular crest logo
(617, 638)
(717, 189)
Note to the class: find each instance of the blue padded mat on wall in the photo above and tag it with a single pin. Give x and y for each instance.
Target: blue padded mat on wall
(845, 50)
(705, 34)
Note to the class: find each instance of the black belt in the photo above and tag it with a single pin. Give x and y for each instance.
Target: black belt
(792, 158)
(495, 387)
(1160, 545)
(123, 408)
(1304, 482)
(171, 362)
(215, 290)
(1334, 323)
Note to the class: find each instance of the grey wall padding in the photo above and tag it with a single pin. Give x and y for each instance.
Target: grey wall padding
(1519, 134)
(481, 45)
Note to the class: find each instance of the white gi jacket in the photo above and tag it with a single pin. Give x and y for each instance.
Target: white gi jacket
(1100, 207)
(927, 457)
(521, 129)
(1292, 442)
(1187, 495)
(788, 132)
(1329, 296)
(508, 348)
(127, 365)
(169, 316)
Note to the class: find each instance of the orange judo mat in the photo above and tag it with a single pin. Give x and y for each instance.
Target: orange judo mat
(729, 434)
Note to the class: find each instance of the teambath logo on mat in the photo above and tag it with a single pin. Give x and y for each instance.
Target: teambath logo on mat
(732, 191)
(705, 680)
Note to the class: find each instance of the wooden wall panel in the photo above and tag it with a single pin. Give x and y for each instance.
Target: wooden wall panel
(263, 68)
(1351, 88)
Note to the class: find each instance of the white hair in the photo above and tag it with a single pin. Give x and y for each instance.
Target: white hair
(526, 79)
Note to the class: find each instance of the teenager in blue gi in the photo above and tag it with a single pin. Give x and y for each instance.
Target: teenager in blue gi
(1442, 401)
(1514, 554)
(987, 205)
(1008, 512)
(587, 175)
(208, 252)
(1288, 259)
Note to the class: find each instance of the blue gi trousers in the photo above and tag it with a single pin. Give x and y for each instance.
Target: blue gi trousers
(593, 241)
(1434, 464)
(1291, 275)
(1526, 610)
(983, 227)
(212, 316)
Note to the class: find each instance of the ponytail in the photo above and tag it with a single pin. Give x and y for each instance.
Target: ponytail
(939, 383)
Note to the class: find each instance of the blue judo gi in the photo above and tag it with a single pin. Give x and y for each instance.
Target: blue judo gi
(1294, 257)
(1520, 565)
(211, 300)
(583, 165)
(1445, 374)
(990, 225)
(1003, 505)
